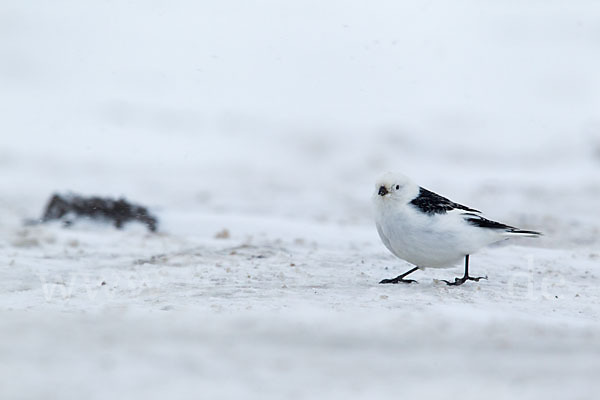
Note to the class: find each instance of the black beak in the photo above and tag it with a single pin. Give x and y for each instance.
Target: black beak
(382, 191)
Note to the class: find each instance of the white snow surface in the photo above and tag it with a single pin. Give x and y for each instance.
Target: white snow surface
(271, 120)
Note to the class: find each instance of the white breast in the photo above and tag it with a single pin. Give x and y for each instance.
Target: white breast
(435, 241)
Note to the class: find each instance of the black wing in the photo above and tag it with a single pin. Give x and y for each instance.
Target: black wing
(481, 222)
(432, 203)
(478, 220)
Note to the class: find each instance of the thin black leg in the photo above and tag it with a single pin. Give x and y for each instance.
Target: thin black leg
(400, 278)
(466, 277)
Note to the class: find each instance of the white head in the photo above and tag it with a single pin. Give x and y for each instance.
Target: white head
(394, 187)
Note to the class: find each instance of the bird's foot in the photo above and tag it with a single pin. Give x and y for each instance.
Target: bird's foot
(398, 280)
(460, 281)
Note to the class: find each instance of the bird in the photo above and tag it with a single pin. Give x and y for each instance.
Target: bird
(431, 231)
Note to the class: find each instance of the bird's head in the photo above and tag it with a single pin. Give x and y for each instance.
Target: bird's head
(394, 186)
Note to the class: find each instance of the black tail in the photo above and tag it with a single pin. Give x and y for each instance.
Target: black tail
(524, 232)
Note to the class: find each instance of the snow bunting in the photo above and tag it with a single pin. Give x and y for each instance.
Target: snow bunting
(429, 230)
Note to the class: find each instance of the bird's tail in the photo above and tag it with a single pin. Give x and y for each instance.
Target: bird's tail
(522, 232)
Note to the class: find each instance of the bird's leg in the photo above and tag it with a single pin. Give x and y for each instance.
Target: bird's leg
(400, 278)
(466, 277)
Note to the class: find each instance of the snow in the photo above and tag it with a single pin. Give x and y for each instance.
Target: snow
(272, 120)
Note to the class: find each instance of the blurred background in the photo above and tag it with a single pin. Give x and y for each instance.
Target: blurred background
(292, 109)
(277, 117)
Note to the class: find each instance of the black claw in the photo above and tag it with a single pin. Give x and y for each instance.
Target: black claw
(396, 280)
(457, 282)
(466, 277)
(460, 281)
(477, 279)
(400, 278)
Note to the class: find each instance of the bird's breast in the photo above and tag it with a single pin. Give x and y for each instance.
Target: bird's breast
(420, 240)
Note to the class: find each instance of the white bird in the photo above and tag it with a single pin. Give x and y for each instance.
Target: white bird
(429, 230)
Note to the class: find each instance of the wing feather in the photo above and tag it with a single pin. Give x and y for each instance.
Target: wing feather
(432, 203)
(479, 221)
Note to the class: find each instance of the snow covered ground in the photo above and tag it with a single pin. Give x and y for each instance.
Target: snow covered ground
(271, 120)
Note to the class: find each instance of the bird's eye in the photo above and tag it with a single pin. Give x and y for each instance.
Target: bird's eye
(397, 187)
